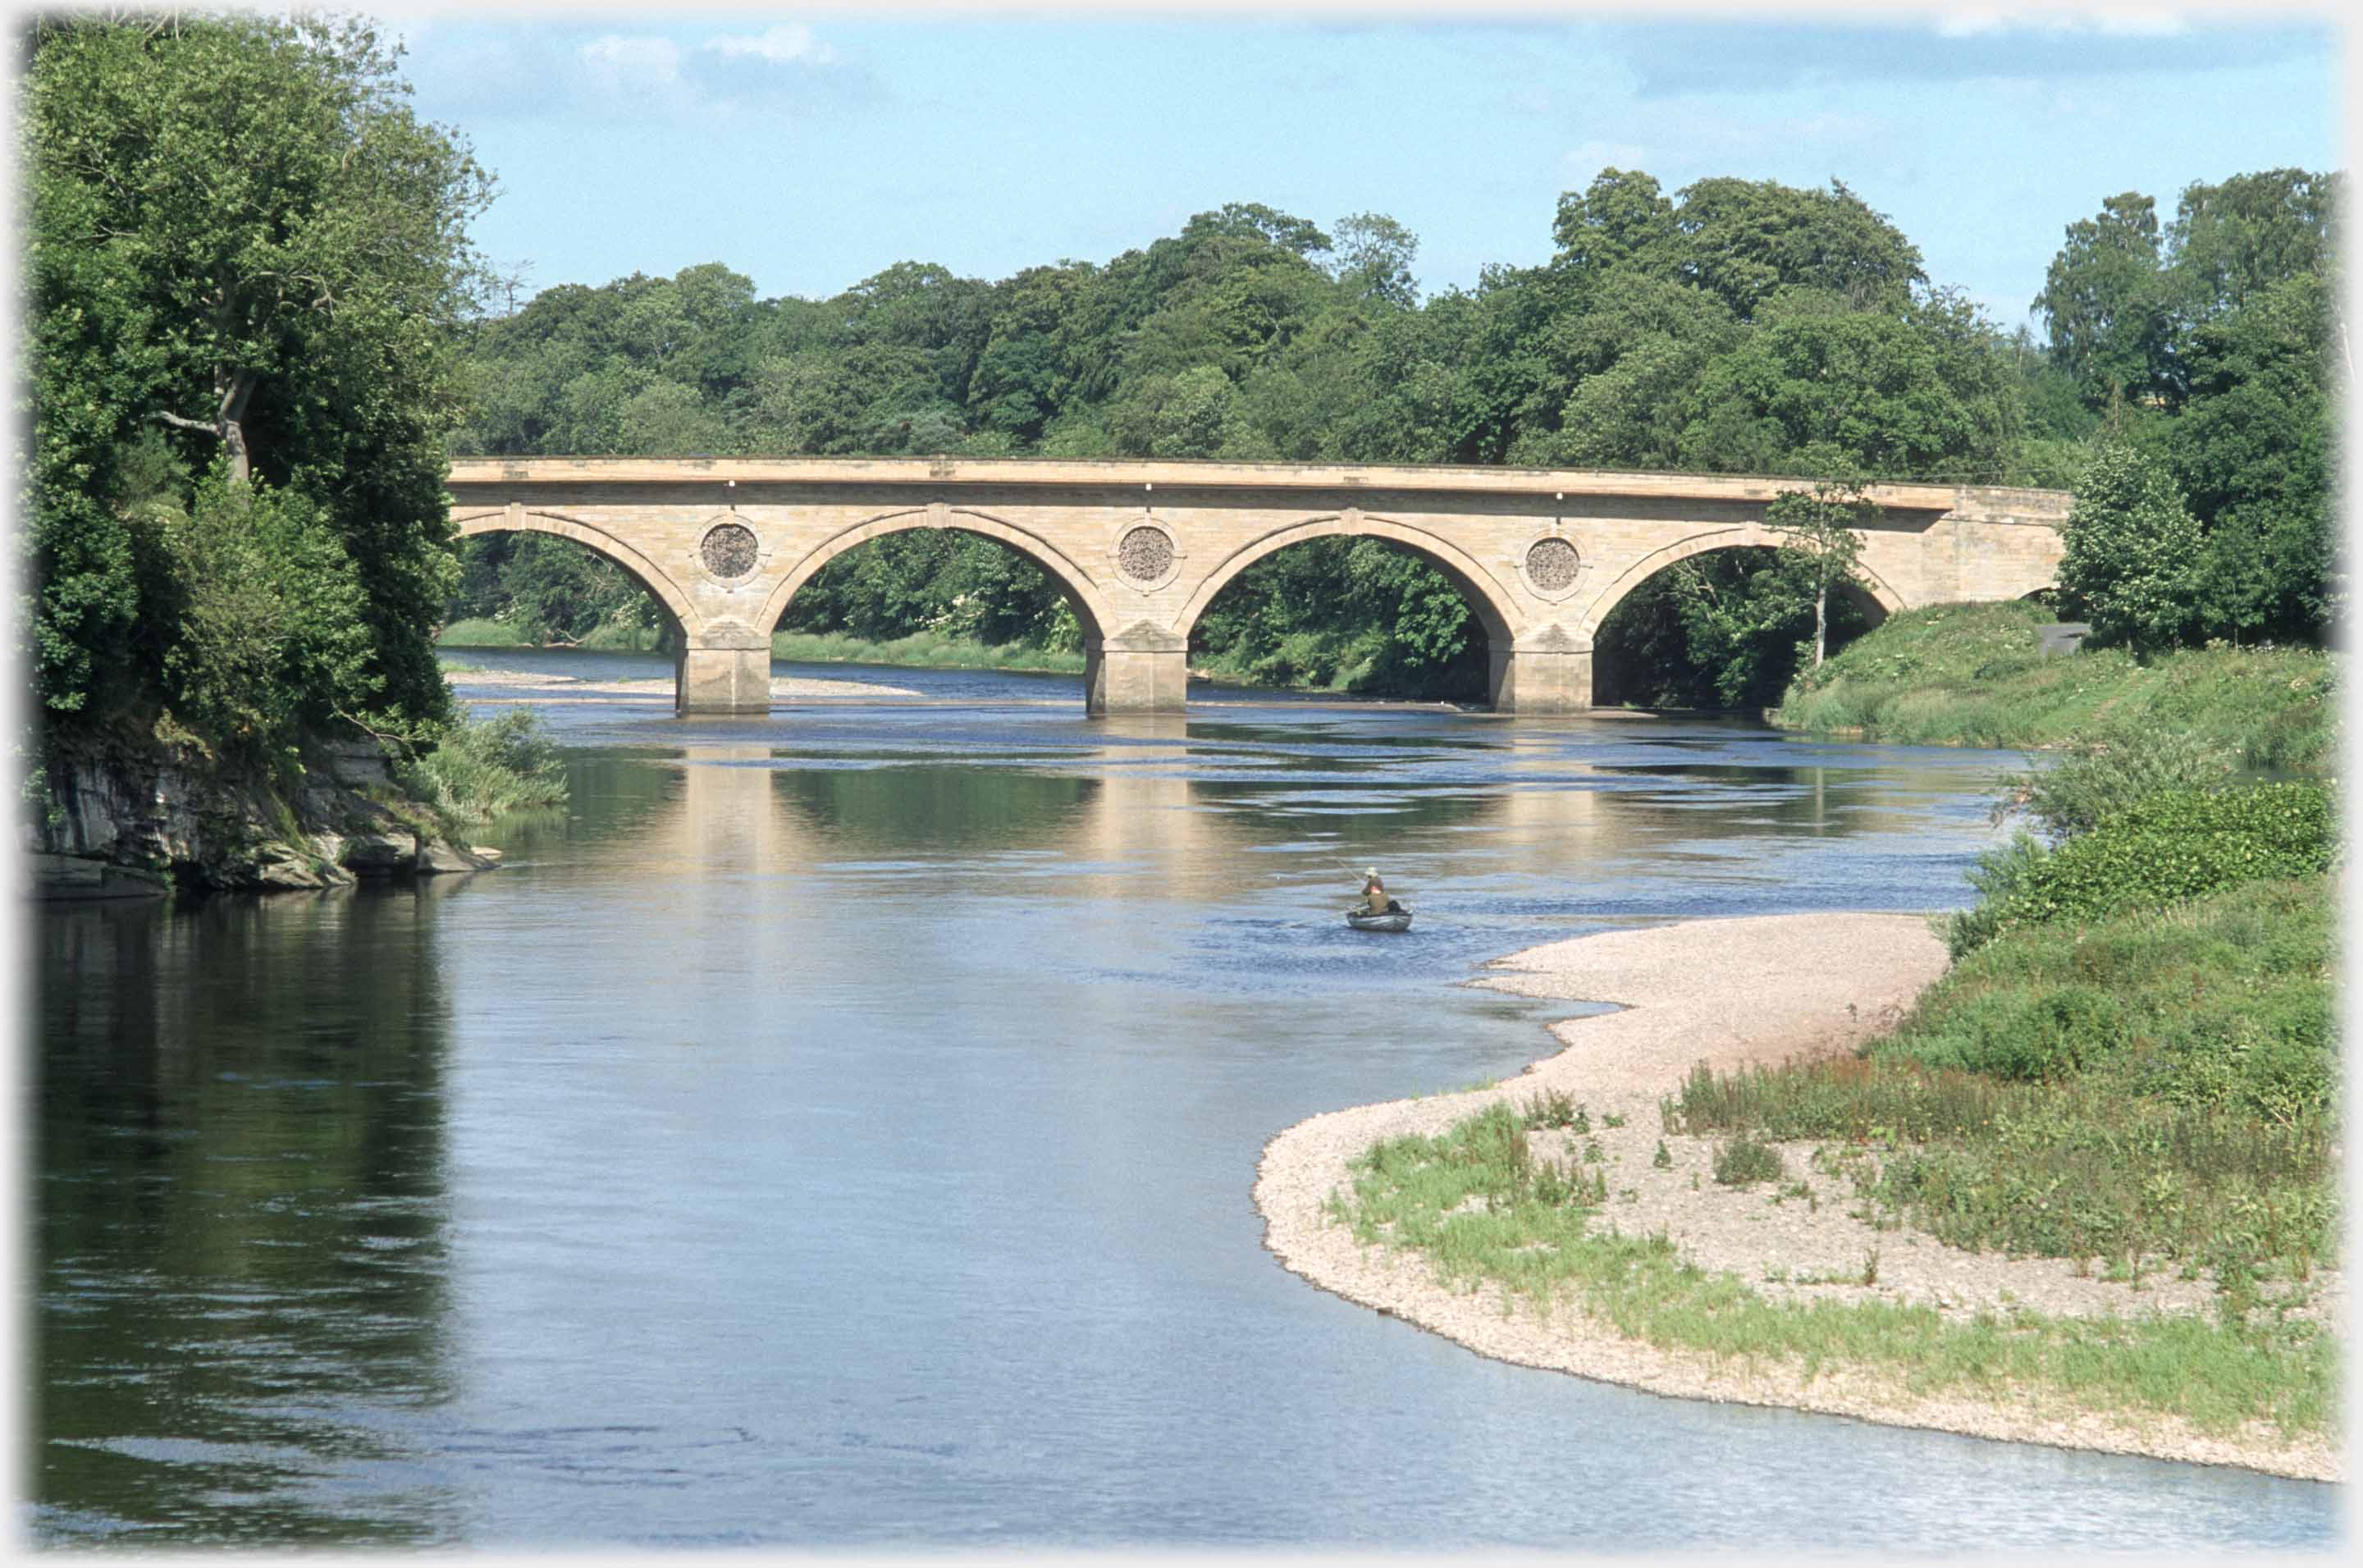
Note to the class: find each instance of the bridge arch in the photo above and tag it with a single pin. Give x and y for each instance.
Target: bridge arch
(516, 519)
(1072, 580)
(1865, 580)
(1486, 598)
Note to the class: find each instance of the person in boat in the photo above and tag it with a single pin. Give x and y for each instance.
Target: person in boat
(1374, 896)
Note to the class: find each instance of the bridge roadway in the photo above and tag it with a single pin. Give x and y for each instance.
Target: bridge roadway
(1140, 548)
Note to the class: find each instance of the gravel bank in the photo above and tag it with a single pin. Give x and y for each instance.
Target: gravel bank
(659, 687)
(1728, 992)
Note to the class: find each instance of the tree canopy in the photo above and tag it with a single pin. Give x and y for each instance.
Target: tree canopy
(246, 258)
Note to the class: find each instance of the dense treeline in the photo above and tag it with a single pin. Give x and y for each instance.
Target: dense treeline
(246, 268)
(256, 328)
(1732, 326)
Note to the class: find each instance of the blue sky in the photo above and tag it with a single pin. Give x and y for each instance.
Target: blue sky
(811, 149)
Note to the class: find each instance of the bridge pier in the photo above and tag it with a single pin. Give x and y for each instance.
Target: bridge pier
(1545, 673)
(726, 669)
(1143, 670)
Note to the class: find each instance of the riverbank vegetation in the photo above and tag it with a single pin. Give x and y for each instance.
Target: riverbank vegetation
(1477, 1205)
(1727, 326)
(482, 768)
(2131, 1065)
(247, 276)
(1976, 676)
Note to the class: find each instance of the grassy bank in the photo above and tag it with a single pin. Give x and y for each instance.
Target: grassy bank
(1482, 1208)
(478, 768)
(924, 650)
(2131, 1065)
(921, 650)
(613, 637)
(1971, 675)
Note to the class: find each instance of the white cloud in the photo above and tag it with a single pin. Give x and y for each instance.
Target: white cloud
(2128, 22)
(789, 41)
(617, 64)
(784, 67)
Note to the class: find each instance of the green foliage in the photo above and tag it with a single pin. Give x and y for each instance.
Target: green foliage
(1732, 327)
(1973, 676)
(2156, 1082)
(2108, 303)
(1818, 533)
(269, 637)
(1743, 1161)
(2131, 561)
(241, 236)
(545, 589)
(2210, 353)
(477, 769)
(1478, 1208)
(2170, 846)
(2099, 778)
(925, 648)
(1352, 614)
(1725, 629)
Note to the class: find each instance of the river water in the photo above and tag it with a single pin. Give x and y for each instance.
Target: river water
(836, 1130)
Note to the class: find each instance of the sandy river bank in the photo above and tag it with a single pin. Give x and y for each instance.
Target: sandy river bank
(1729, 993)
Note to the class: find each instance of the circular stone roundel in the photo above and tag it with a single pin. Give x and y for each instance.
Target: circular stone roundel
(728, 549)
(1145, 554)
(1551, 565)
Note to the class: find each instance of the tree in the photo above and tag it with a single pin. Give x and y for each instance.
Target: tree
(2107, 302)
(1373, 259)
(1751, 240)
(2131, 554)
(272, 252)
(1818, 531)
(2231, 240)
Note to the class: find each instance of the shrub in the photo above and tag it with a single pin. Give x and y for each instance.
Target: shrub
(2170, 846)
(1743, 1161)
(2103, 776)
(271, 634)
(481, 768)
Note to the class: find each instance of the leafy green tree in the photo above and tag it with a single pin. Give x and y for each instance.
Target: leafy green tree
(1373, 256)
(2253, 449)
(1751, 242)
(2233, 240)
(1619, 221)
(244, 217)
(1920, 393)
(269, 634)
(1818, 529)
(2109, 304)
(2131, 560)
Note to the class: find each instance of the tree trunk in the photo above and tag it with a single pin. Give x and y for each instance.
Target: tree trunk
(232, 388)
(236, 387)
(1821, 622)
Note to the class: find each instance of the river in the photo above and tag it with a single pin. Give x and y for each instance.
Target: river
(836, 1130)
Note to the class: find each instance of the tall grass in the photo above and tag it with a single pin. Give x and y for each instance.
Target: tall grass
(481, 632)
(1973, 675)
(925, 650)
(2156, 1085)
(1479, 1206)
(482, 768)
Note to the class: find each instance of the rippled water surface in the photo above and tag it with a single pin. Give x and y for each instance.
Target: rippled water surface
(837, 1131)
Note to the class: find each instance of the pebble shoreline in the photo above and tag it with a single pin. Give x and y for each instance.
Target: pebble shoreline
(1728, 992)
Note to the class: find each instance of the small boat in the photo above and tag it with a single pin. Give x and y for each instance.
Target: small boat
(1397, 919)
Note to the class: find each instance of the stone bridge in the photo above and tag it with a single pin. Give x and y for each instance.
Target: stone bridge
(1141, 548)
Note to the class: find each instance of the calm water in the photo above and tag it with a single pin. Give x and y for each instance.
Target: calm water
(837, 1131)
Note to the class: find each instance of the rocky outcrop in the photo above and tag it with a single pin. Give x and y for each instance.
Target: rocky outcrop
(130, 818)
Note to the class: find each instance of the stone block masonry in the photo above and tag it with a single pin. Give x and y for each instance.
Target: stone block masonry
(1140, 548)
